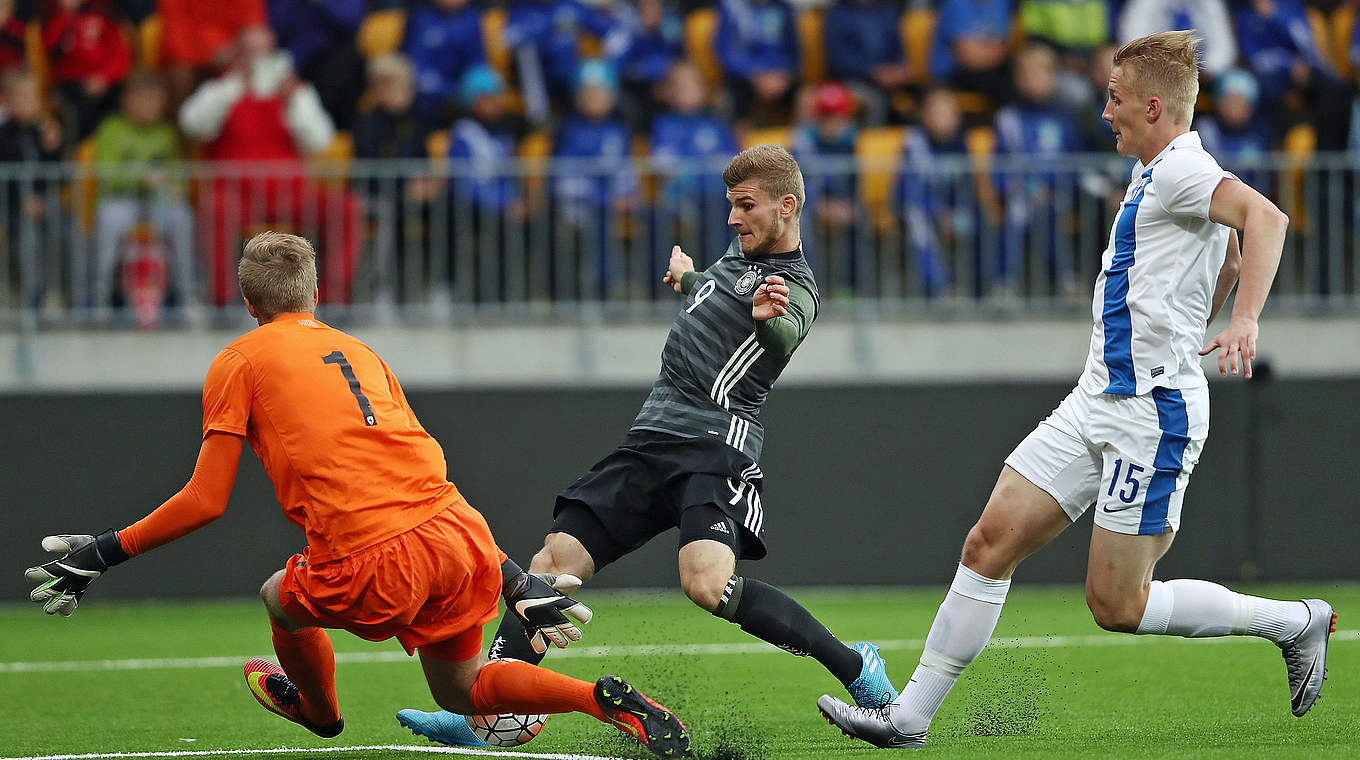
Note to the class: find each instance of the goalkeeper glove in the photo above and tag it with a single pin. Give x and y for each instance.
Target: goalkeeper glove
(538, 602)
(63, 581)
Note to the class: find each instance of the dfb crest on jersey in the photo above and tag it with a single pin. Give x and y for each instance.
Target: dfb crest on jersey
(747, 282)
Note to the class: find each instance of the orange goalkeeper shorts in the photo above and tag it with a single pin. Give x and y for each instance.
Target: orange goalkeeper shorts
(437, 583)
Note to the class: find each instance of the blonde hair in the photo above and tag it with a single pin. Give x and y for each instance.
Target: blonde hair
(278, 274)
(772, 168)
(390, 66)
(1165, 64)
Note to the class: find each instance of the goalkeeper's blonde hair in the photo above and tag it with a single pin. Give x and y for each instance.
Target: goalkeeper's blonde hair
(1166, 65)
(278, 274)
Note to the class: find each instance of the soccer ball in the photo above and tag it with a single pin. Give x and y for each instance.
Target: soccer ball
(506, 729)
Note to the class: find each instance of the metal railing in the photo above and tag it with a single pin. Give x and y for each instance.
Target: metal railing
(156, 246)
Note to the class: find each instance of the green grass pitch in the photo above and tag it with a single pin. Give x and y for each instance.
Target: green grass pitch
(166, 678)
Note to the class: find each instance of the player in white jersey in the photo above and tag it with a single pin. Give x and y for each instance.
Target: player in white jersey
(1128, 435)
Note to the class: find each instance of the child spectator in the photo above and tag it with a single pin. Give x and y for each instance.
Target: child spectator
(90, 55)
(655, 42)
(33, 222)
(935, 192)
(691, 206)
(596, 180)
(545, 35)
(1037, 128)
(197, 36)
(392, 131)
(258, 110)
(971, 38)
(1209, 19)
(443, 39)
(1235, 134)
(137, 149)
(757, 44)
(13, 41)
(321, 35)
(864, 50)
(824, 148)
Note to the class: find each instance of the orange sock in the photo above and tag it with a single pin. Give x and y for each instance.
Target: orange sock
(309, 661)
(511, 686)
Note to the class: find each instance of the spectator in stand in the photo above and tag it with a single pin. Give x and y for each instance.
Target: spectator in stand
(824, 148)
(197, 37)
(1209, 19)
(391, 130)
(1036, 128)
(443, 39)
(13, 42)
(1353, 142)
(596, 183)
(483, 198)
(1070, 27)
(757, 44)
(1235, 133)
(33, 222)
(935, 192)
(864, 50)
(687, 135)
(258, 110)
(544, 36)
(138, 148)
(971, 40)
(321, 35)
(655, 43)
(1278, 46)
(89, 55)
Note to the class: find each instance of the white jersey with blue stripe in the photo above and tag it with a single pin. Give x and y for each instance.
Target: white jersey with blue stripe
(1156, 285)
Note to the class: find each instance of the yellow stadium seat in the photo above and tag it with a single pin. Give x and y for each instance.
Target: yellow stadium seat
(812, 41)
(87, 187)
(149, 42)
(36, 54)
(1300, 143)
(777, 135)
(589, 46)
(381, 33)
(340, 149)
(701, 26)
(437, 144)
(1343, 26)
(535, 149)
(1322, 36)
(918, 36)
(493, 40)
(878, 152)
(981, 144)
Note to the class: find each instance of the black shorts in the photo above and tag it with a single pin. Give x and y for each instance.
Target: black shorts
(653, 482)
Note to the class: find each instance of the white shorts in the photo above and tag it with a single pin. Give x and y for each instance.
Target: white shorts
(1131, 456)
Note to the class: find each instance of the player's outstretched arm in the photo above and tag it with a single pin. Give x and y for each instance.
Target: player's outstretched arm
(538, 602)
(1235, 204)
(679, 265)
(62, 582)
(783, 312)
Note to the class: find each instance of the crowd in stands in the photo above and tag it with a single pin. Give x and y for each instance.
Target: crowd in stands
(156, 81)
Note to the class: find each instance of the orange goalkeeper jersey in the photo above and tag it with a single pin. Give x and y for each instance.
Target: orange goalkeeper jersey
(350, 463)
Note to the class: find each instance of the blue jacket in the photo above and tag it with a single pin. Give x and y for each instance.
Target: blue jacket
(677, 137)
(1270, 45)
(924, 184)
(484, 152)
(305, 28)
(610, 175)
(649, 54)
(966, 18)
(1237, 149)
(553, 28)
(755, 37)
(441, 47)
(1036, 130)
(860, 38)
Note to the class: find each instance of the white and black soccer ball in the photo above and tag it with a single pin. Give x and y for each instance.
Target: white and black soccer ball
(506, 729)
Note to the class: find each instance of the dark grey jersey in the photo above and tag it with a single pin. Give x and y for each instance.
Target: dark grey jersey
(714, 374)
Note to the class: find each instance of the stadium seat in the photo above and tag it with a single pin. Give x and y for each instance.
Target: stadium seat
(1322, 36)
(1343, 26)
(493, 41)
(778, 135)
(437, 144)
(981, 144)
(87, 185)
(381, 32)
(812, 44)
(148, 41)
(37, 55)
(334, 161)
(535, 149)
(1300, 143)
(878, 153)
(918, 36)
(701, 26)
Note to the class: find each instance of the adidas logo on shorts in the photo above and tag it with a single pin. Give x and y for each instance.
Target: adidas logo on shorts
(720, 527)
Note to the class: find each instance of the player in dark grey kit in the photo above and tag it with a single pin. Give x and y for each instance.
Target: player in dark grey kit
(690, 459)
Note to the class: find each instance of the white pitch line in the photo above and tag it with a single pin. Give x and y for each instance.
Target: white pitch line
(319, 750)
(638, 650)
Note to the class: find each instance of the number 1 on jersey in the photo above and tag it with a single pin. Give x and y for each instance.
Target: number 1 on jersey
(335, 357)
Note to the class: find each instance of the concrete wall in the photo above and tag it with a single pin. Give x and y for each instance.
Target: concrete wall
(865, 484)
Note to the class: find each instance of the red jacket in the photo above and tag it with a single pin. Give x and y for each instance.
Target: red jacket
(85, 43)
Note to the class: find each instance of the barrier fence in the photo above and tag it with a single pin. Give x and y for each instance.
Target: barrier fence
(156, 246)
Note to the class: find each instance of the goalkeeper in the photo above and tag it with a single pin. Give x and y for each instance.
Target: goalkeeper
(392, 550)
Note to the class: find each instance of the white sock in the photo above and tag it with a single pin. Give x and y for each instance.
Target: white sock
(1196, 609)
(961, 629)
